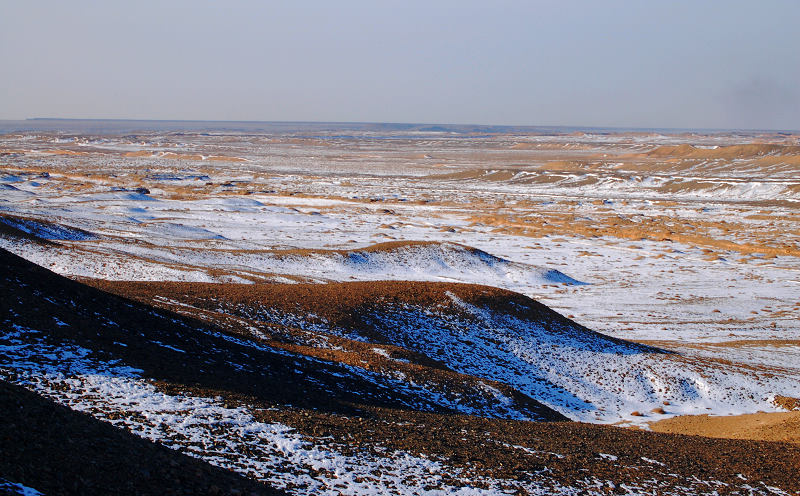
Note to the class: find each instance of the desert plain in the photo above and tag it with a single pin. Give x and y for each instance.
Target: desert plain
(402, 309)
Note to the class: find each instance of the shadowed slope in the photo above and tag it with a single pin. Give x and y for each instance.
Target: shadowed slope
(482, 332)
(40, 231)
(55, 450)
(40, 309)
(186, 352)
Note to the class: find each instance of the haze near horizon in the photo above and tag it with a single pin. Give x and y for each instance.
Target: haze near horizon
(618, 64)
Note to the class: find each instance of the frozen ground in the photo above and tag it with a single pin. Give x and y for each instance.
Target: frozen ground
(698, 254)
(224, 431)
(686, 243)
(637, 289)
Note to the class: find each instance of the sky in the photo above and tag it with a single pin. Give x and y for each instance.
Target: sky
(681, 64)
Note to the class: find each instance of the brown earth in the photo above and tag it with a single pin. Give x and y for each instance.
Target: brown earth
(775, 426)
(770, 233)
(655, 228)
(64, 152)
(438, 433)
(343, 304)
(303, 396)
(723, 152)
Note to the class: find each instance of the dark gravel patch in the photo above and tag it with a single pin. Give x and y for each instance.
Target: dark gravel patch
(56, 451)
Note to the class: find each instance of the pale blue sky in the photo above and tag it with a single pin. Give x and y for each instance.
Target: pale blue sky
(586, 63)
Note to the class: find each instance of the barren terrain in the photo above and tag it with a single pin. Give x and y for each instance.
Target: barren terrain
(408, 310)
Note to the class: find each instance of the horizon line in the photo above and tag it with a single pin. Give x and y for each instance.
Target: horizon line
(530, 126)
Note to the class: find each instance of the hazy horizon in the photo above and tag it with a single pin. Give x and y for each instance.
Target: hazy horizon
(681, 65)
(115, 125)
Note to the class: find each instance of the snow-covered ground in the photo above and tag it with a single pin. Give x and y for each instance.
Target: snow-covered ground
(720, 295)
(230, 437)
(250, 222)
(645, 290)
(224, 436)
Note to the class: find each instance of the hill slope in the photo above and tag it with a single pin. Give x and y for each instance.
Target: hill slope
(492, 334)
(268, 407)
